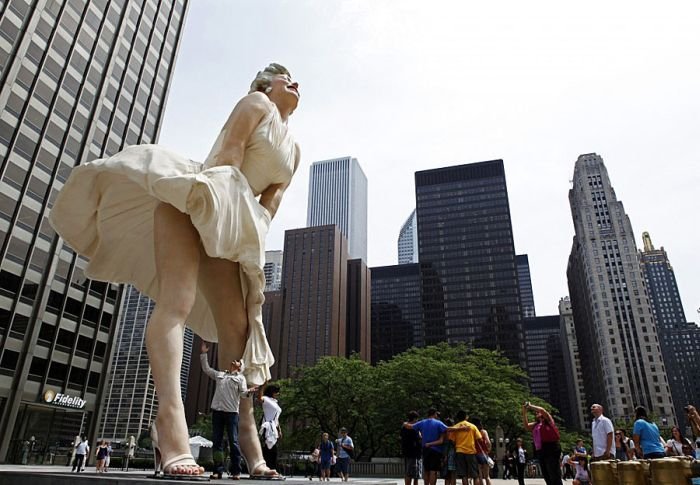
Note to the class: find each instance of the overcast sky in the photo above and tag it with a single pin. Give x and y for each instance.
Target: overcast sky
(406, 85)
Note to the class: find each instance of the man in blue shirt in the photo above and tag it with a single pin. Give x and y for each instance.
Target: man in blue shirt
(646, 436)
(346, 449)
(431, 429)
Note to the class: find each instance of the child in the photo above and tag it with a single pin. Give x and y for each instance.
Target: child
(582, 477)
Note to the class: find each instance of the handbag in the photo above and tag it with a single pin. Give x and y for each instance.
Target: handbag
(549, 432)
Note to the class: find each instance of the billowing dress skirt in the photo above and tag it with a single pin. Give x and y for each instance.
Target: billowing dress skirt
(105, 213)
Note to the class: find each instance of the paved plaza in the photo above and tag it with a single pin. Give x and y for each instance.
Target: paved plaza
(60, 475)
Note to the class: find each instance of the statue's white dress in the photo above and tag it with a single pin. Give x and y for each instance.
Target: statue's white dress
(105, 213)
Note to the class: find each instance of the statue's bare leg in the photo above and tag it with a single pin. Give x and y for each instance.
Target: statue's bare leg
(177, 250)
(220, 281)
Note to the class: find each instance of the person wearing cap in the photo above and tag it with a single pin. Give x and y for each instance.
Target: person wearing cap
(346, 449)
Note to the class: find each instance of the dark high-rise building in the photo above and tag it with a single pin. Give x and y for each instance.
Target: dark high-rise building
(527, 299)
(272, 321)
(78, 80)
(200, 387)
(359, 319)
(680, 340)
(397, 312)
(539, 332)
(465, 235)
(314, 285)
(620, 353)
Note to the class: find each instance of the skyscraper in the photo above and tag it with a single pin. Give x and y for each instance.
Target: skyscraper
(131, 404)
(314, 281)
(680, 340)
(273, 270)
(78, 80)
(578, 416)
(408, 240)
(527, 299)
(397, 312)
(359, 319)
(465, 235)
(545, 361)
(622, 366)
(338, 195)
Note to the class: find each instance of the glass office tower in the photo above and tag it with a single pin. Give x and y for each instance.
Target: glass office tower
(78, 81)
(465, 235)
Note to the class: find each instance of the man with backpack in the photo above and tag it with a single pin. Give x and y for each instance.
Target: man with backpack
(346, 450)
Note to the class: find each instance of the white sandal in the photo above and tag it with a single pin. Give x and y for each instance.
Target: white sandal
(162, 470)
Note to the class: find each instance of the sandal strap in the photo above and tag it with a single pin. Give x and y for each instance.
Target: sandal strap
(177, 459)
(257, 465)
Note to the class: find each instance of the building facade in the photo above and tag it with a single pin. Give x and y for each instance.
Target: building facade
(131, 404)
(545, 363)
(578, 415)
(273, 270)
(527, 299)
(680, 340)
(314, 282)
(465, 236)
(408, 240)
(623, 366)
(397, 311)
(78, 81)
(359, 318)
(338, 195)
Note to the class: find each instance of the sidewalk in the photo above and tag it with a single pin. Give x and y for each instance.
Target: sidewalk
(61, 475)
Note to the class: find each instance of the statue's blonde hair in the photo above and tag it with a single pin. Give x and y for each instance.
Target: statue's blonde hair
(264, 78)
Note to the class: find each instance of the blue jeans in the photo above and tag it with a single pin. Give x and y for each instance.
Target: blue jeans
(221, 421)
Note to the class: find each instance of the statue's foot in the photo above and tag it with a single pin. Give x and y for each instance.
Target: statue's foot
(174, 465)
(262, 472)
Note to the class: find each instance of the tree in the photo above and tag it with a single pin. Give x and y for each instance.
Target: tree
(202, 426)
(332, 394)
(372, 402)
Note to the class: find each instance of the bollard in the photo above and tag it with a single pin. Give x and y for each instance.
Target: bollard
(671, 471)
(633, 472)
(604, 472)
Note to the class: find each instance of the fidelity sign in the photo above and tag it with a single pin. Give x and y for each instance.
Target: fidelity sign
(65, 400)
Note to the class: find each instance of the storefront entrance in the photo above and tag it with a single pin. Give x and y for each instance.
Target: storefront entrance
(44, 434)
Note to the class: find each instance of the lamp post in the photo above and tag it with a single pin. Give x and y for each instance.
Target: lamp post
(499, 441)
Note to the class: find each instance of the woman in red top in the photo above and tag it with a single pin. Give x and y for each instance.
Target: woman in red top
(545, 437)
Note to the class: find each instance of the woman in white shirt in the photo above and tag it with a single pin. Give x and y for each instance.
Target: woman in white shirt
(270, 427)
(678, 445)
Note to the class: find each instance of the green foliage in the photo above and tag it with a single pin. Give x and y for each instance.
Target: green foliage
(372, 402)
(202, 427)
(144, 440)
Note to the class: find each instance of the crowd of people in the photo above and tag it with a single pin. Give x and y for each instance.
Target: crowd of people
(435, 448)
(445, 448)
